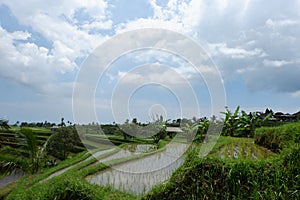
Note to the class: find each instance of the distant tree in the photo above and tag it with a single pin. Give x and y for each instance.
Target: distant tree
(62, 123)
(158, 129)
(4, 124)
(24, 124)
(134, 121)
(126, 130)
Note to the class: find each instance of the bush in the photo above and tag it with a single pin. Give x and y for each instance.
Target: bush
(63, 142)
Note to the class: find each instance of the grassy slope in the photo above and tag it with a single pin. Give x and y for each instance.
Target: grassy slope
(213, 178)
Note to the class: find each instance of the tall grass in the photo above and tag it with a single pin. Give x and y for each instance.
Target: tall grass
(212, 178)
(279, 137)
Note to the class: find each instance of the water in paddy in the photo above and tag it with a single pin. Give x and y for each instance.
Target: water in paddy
(129, 150)
(139, 176)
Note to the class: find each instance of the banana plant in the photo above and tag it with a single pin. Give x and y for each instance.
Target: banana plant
(248, 123)
(204, 124)
(231, 122)
(191, 131)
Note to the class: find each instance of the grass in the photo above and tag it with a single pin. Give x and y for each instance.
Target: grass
(279, 137)
(214, 178)
(277, 177)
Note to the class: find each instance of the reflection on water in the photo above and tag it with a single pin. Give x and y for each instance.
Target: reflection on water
(139, 176)
(129, 150)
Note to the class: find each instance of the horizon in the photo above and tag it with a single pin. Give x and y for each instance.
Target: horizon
(252, 46)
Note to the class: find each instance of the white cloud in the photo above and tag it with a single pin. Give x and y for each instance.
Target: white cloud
(28, 63)
(276, 63)
(280, 23)
(72, 38)
(236, 52)
(296, 94)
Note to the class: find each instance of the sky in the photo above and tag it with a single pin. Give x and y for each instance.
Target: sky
(45, 45)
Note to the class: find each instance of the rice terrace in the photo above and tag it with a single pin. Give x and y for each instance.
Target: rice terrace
(150, 100)
(43, 164)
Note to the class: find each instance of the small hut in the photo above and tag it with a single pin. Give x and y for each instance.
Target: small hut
(54, 128)
(172, 131)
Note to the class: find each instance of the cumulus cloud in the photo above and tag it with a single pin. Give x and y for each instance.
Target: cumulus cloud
(28, 63)
(70, 27)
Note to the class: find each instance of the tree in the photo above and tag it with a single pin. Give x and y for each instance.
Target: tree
(62, 123)
(4, 124)
(63, 142)
(158, 129)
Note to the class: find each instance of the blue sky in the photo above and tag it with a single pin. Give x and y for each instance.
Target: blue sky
(255, 45)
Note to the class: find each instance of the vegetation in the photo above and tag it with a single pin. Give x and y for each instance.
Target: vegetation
(279, 137)
(29, 157)
(215, 178)
(4, 125)
(63, 142)
(212, 178)
(228, 172)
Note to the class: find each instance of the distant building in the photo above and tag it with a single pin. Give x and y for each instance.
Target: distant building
(174, 129)
(54, 128)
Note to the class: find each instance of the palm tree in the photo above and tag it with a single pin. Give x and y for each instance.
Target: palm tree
(30, 156)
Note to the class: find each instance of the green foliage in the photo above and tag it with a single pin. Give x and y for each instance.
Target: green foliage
(68, 187)
(230, 122)
(212, 178)
(63, 142)
(4, 125)
(29, 156)
(277, 138)
(241, 125)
